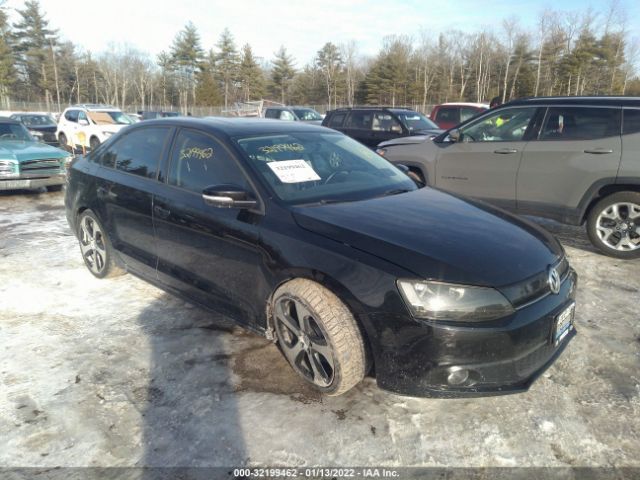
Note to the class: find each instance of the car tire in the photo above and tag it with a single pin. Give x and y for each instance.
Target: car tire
(55, 188)
(416, 175)
(613, 225)
(63, 142)
(319, 336)
(94, 142)
(95, 246)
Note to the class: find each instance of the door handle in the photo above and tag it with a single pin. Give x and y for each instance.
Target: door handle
(505, 151)
(161, 212)
(599, 151)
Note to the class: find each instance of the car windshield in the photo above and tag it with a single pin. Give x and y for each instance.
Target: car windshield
(14, 131)
(303, 168)
(37, 120)
(416, 121)
(307, 114)
(110, 117)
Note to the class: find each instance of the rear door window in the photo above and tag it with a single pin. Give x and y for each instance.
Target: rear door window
(360, 120)
(580, 123)
(631, 121)
(199, 161)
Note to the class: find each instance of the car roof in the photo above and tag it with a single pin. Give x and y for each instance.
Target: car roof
(464, 104)
(9, 120)
(584, 100)
(387, 108)
(233, 127)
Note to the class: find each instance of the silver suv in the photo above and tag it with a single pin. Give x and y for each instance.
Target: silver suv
(572, 159)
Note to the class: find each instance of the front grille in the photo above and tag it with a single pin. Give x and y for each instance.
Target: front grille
(534, 288)
(34, 166)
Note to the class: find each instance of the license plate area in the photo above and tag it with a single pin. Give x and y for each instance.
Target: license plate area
(563, 324)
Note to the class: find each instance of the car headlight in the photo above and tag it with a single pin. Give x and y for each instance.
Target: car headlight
(8, 168)
(107, 134)
(452, 302)
(37, 134)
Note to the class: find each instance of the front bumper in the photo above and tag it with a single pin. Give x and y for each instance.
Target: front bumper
(28, 183)
(500, 357)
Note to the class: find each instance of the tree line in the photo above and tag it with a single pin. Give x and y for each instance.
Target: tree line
(567, 53)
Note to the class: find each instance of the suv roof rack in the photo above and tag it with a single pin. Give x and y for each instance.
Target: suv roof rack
(92, 105)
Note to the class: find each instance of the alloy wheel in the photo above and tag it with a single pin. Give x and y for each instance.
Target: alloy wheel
(92, 245)
(304, 342)
(618, 226)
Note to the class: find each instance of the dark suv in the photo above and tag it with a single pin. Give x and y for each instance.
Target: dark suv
(372, 125)
(573, 159)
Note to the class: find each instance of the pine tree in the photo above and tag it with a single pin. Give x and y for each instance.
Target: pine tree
(7, 71)
(34, 41)
(282, 73)
(329, 61)
(186, 60)
(251, 76)
(227, 65)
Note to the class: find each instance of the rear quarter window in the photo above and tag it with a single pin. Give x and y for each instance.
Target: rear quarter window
(337, 119)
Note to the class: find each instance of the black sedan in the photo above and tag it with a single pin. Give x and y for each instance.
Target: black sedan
(40, 125)
(307, 237)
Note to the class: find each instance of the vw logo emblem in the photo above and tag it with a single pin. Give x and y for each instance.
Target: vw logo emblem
(554, 280)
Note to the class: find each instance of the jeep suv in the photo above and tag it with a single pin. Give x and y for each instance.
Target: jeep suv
(572, 159)
(372, 125)
(89, 125)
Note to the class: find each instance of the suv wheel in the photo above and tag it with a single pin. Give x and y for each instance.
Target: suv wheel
(62, 141)
(319, 336)
(613, 225)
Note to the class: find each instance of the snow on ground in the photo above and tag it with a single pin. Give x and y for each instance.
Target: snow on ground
(118, 373)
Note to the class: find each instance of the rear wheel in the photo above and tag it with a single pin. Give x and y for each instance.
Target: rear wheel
(319, 336)
(613, 225)
(96, 248)
(63, 142)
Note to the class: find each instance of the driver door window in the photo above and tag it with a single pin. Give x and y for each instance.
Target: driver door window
(506, 125)
(198, 161)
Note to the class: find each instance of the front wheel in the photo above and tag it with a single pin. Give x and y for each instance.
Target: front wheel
(319, 336)
(613, 225)
(96, 248)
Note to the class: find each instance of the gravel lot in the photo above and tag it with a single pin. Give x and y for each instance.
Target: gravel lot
(118, 373)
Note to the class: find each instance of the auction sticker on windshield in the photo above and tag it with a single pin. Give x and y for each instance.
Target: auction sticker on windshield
(293, 171)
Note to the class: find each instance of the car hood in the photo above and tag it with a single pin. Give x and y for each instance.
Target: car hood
(438, 236)
(43, 128)
(24, 151)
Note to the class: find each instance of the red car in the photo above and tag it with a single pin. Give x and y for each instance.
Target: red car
(448, 115)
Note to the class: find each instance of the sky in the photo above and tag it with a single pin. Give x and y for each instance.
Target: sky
(302, 26)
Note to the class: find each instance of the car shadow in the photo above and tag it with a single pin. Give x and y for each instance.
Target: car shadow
(190, 416)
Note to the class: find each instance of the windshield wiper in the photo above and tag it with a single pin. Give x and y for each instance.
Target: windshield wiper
(396, 191)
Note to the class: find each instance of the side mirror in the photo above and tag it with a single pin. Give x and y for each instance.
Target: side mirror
(455, 135)
(83, 122)
(402, 167)
(228, 196)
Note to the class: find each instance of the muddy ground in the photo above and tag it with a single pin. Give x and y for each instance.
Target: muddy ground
(118, 373)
